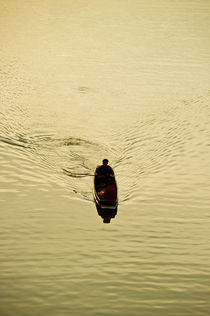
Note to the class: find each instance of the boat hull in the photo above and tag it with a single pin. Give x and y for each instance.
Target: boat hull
(102, 202)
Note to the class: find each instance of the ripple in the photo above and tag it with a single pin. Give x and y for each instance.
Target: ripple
(163, 147)
(157, 152)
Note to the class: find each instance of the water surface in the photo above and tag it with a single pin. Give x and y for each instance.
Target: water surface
(82, 81)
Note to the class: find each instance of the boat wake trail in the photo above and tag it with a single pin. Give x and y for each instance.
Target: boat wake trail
(160, 149)
(70, 161)
(157, 150)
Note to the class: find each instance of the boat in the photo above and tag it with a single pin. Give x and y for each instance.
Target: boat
(105, 193)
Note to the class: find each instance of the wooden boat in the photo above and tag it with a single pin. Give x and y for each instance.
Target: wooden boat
(105, 193)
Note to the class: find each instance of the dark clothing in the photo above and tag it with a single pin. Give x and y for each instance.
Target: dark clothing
(104, 171)
(104, 174)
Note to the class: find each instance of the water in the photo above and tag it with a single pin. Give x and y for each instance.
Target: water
(81, 81)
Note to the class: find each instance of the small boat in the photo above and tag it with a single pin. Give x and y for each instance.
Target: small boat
(105, 193)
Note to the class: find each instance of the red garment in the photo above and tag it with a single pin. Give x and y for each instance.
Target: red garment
(110, 192)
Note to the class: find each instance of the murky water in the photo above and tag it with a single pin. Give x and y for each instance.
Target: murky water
(81, 81)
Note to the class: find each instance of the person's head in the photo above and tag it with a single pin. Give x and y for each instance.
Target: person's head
(105, 162)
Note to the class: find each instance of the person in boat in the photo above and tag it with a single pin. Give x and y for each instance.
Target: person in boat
(110, 191)
(104, 172)
(105, 181)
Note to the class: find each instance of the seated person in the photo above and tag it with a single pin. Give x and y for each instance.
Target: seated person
(104, 172)
(110, 192)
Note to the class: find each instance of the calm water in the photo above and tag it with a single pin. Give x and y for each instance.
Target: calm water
(81, 81)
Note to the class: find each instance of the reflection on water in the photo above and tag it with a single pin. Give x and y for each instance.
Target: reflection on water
(81, 81)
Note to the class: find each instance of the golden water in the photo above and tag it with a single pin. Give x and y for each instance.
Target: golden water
(81, 81)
